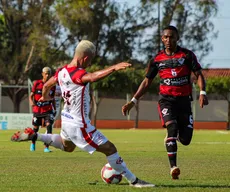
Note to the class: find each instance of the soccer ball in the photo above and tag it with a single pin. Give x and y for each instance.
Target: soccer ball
(109, 175)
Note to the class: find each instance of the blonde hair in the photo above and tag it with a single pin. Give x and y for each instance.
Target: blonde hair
(46, 70)
(85, 48)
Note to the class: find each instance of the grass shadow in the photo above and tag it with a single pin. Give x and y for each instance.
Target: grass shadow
(194, 186)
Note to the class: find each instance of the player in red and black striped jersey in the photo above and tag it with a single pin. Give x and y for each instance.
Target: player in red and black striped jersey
(42, 111)
(174, 66)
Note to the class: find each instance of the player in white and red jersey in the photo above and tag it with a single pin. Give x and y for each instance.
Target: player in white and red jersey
(76, 129)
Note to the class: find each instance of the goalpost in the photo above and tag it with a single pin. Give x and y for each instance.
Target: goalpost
(28, 87)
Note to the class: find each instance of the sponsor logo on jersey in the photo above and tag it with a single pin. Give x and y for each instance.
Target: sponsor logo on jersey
(67, 115)
(165, 112)
(177, 81)
(161, 64)
(167, 81)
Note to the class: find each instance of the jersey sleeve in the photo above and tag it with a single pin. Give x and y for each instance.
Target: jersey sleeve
(152, 69)
(194, 65)
(76, 77)
(56, 74)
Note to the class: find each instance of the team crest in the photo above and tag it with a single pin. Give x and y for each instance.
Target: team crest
(181, 61)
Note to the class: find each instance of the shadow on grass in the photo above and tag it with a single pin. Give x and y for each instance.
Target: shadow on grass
(175, 186)
(171, 186)
(194, 186)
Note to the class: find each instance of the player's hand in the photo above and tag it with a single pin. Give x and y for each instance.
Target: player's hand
(32, 104)
(122, 65)
(48, 98)
(203, 100)
(127, 107)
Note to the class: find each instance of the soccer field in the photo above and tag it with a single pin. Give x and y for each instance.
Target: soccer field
(204, 164)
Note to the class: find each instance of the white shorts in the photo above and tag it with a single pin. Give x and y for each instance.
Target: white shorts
(87, 139)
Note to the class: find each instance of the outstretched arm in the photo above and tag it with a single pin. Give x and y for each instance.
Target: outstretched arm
(140, 92)
(97, 75)
(201, 83)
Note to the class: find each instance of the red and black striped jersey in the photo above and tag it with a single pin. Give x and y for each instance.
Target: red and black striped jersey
(41, 107)
(174, 71)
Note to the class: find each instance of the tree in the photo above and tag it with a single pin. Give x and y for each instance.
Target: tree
(193, 20)
(28, 42)
(113, 28)
(220, 85)
(115, 31)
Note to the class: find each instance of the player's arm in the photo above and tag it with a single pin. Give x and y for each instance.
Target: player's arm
(31, 96)
(31, 99)
(202, 85)
(97, 75)
(46, 89)
(200, 80)
(196, 68)
(143, 87)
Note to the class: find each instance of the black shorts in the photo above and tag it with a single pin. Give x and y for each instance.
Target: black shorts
(175, 108)
(40, 119)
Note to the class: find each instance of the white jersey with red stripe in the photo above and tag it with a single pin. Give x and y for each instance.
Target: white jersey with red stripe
(76, 96)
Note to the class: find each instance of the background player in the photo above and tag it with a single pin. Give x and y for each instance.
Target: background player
(42, 110)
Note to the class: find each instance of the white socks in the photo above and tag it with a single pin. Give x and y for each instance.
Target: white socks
(117, 163)
(54, 140)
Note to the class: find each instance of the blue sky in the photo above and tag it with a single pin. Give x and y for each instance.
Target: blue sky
(220, 56)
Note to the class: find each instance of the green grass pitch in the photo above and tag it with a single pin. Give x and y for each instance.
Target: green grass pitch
(204, 164)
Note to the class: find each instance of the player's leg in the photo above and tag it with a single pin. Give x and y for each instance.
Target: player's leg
(90, 140)
(36, 122)
(117, 163)
(185, 128)
(185, 122)
(171, 147)
(168, 114)
(63, 140)
(54, 140)
(49, 127)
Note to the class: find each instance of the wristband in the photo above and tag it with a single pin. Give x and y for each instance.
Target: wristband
(134, 100)
(202, 92)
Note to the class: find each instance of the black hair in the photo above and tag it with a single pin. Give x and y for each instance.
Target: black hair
(170, 27)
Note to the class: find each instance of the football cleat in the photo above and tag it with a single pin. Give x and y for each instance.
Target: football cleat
(141, 184)
(32, 147)
(175, 172)
(23, 136)
(47, 150)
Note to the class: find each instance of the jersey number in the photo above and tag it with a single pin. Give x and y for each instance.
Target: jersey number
(174, 73)
(66, 96)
